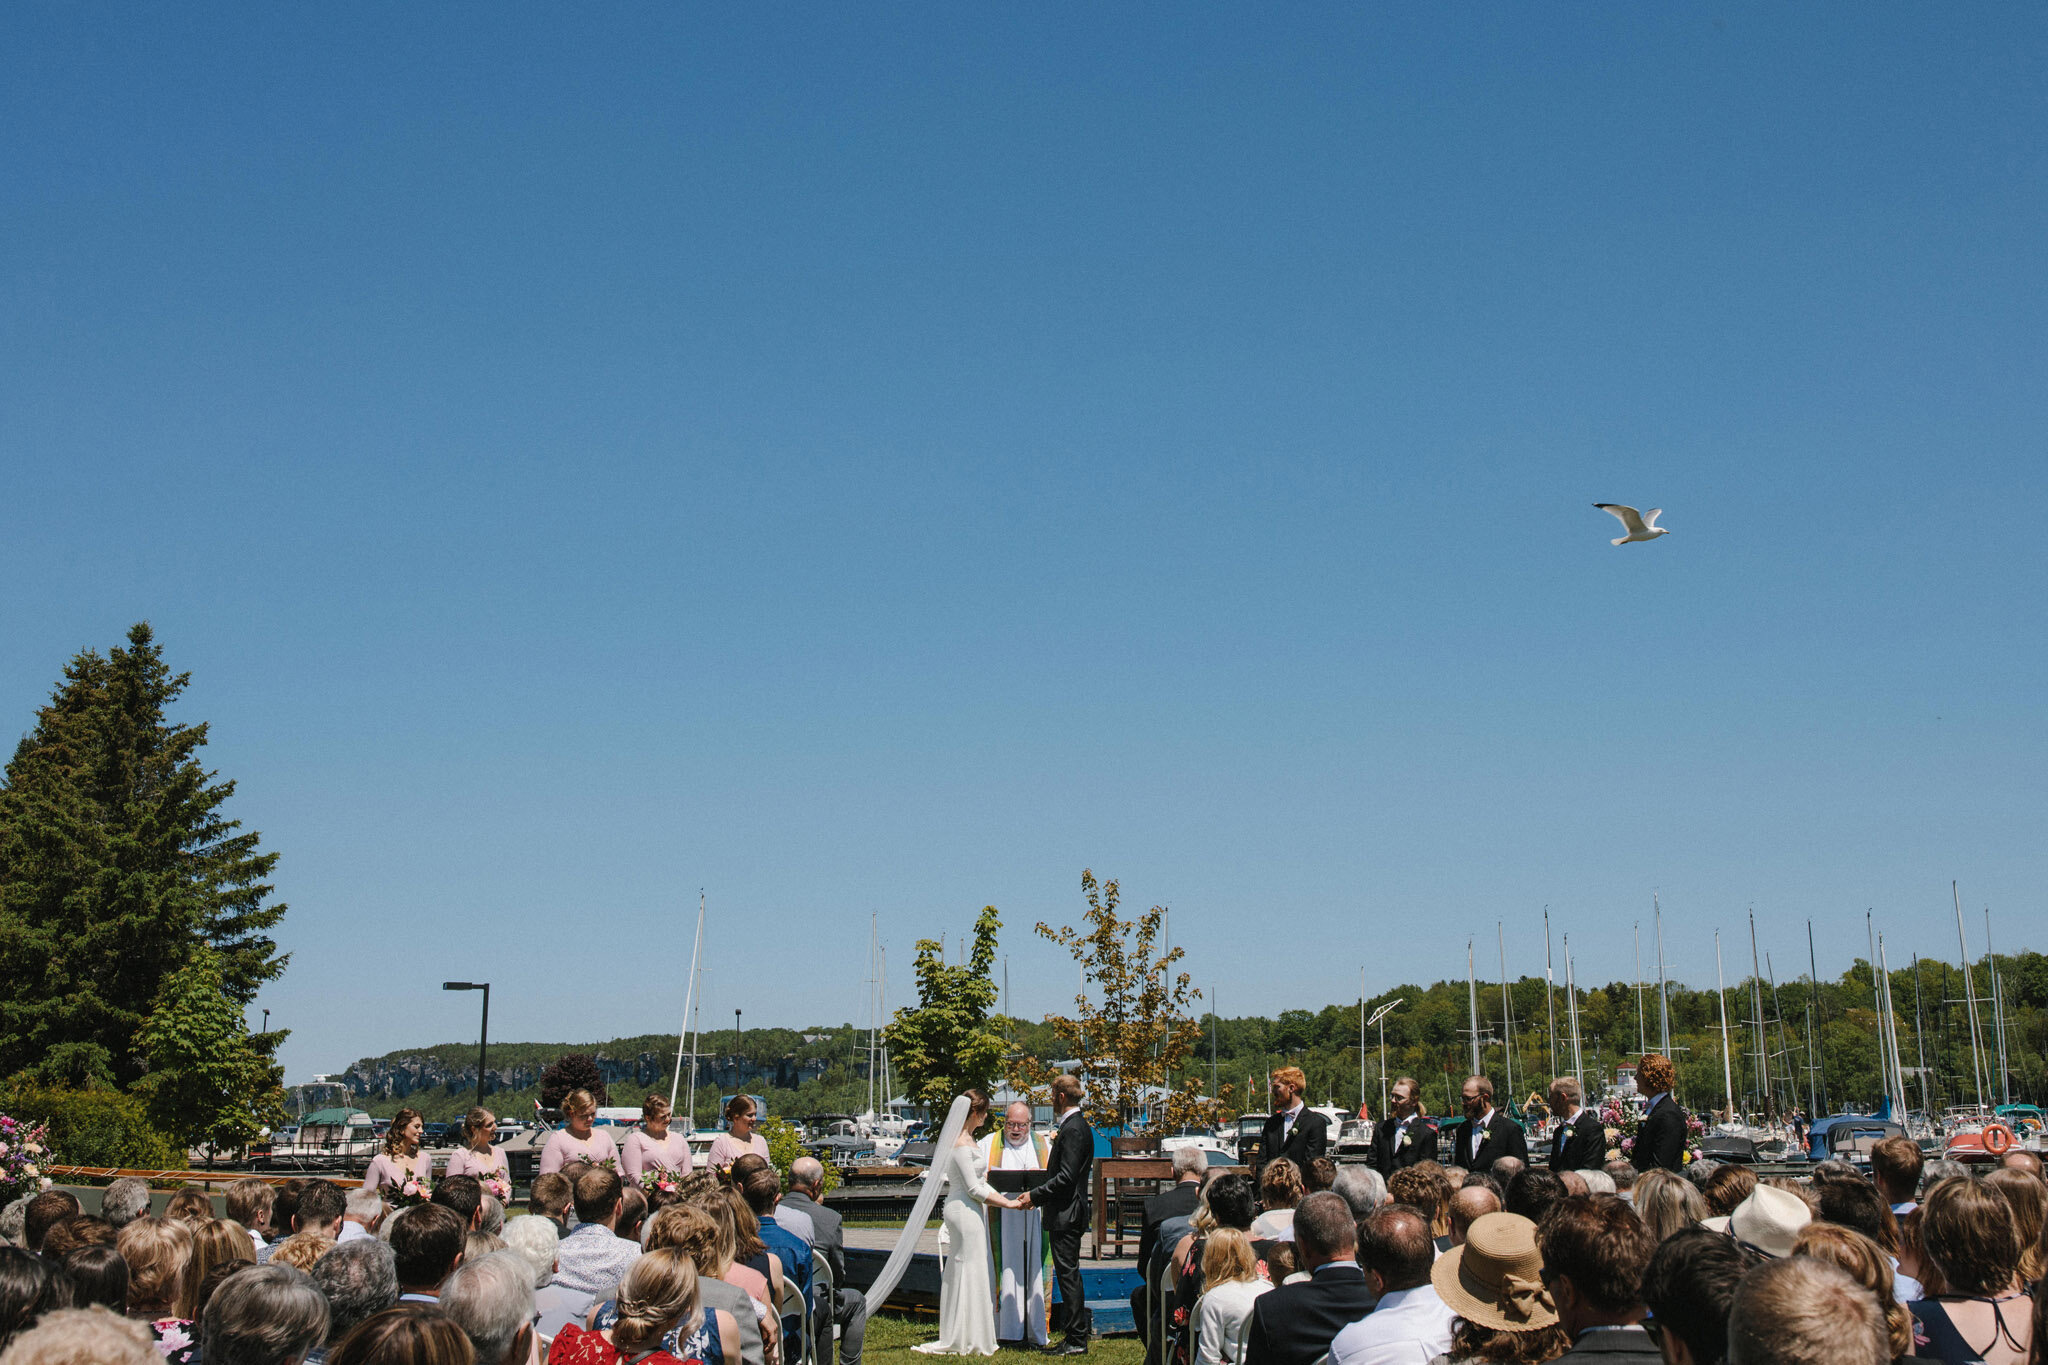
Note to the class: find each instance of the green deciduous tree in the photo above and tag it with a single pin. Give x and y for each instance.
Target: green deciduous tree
(945, 1043)
(117, 865)
(209, 1081)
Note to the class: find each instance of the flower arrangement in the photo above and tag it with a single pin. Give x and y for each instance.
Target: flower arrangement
(412, 1190)
(497, 1184)
(655, 1178)
(24, 1151)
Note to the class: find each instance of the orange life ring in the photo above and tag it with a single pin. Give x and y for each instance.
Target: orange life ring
(1998, 1139)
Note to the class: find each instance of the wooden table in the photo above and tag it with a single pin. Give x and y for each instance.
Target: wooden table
(1113, 1173)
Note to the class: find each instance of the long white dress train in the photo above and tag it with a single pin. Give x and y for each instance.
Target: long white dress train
(967, 1306)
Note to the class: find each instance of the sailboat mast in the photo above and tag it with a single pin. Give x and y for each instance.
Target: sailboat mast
(1642, 1025)
(1813, 980)
(1919, 1046)
(1784, 1048)
(2004, 1086)
(1571, 996)
(1507, 1010)
(1472, 1004)
(1969, 995)
(1756, 998)
(689, 999)
(1727, 1064)
(1663, 989)
(1549, 992)
(1897, 1079)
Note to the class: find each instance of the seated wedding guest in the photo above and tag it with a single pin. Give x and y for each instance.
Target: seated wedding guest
(1668, 1203)
(98, 1276)
(191, 1205)
(211, 1281)
(83, 1336)
(652, 1146)
(1505, 1169)
(479, 1244)
(1532, 1194)
(1296, 1323)
(44, 1212)
(29, 1287)
(249, 1203)
(632, 1213)
(362, 1210)
(709, 1334)
(1411, 1324)
(321, 1210)
(461, 1195)
(850, 1311)
(1280, 1190)
(1805, 1311)
(1598, 1182)
(1967, 1234)
(215, 1241)
(739, 1136)
(1895, 1166)
(1726, 1188)
(1424, 1186)
(1362, 1187)
(300, 1251)
(1320, 1174)
(1493, 1284)
(1869, 1266)
(1688, 1287)
(593, 1258)
(536, 1238)
(126, 1200)
(410, 1334)
(264, 1315)
(1595, 1250)
(359, 1279)
(284, 1205)
(401, 1162)
(1574, 1183)
(2028, 1196)
(1468, 1206)
(79, 1230)
(159, 1253)
(1227, 1202)
(475, 1153)
(1624, 1175)
(491, 1300)
(490, 1215)
(789, 1220)
(1179, 1200)
(550, 1198)
(2026, 1162)
(1230, 1275)
(1766, 1222)
(578, 1140)
(659, 1296)
(709, 1245)
(1856, 1203)
(426, 1244)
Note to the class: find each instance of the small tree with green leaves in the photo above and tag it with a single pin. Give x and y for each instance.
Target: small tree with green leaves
(1135, 1041)
(210, 1080)
(946, 1043)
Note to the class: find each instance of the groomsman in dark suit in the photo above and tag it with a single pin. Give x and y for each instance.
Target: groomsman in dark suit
(1660, 1137)
(1404, 1136)
(1487, 1134)
(1294, 1130)
(1063, 1198)
(1580, 1142)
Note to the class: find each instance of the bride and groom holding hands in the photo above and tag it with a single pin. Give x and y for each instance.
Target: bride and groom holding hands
(986, 1280)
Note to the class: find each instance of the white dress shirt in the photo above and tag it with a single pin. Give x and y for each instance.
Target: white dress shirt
(1409, 1327)
(1479, 1127)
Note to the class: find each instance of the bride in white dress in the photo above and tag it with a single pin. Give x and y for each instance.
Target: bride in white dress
(967, 1305)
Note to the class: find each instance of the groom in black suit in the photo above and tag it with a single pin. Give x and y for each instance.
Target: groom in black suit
(1063, 1198)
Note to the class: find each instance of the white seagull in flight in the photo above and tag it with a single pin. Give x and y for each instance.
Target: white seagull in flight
(1639, 526)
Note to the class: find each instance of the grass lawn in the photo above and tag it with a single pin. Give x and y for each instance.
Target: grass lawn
(891, 1336)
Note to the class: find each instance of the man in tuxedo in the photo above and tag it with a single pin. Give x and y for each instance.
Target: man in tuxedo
(1189, 1165)
(1294, 1130)
(1063, 1198)
(1580, 1142)
(1404, 1136)
(1660, 1137)
(1293, 1324)
(1487, 1134)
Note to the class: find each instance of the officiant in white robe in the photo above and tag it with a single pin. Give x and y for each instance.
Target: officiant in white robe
(1020, 1245)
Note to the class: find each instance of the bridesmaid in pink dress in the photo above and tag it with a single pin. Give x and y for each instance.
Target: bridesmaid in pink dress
(476, 1156)
(401, 1160)
(651, 1146)
(739, 1136)
(576, 1140)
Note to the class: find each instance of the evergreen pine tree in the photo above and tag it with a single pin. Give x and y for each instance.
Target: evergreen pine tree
(117, 866)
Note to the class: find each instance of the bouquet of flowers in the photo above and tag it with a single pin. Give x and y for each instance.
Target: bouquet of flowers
(23, 1154)
(1621, 1121)
(414, 1189)
(660, 1178)
(497, 1183)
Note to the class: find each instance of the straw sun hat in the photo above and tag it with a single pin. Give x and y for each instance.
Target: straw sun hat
(1496, 1278)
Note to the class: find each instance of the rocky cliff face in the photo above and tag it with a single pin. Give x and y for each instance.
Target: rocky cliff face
(399, 1075)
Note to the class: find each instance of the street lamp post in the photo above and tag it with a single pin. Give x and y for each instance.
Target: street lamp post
(483, 1033)
(1379, 1017)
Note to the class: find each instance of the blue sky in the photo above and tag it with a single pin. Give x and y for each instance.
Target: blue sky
(886, 462)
